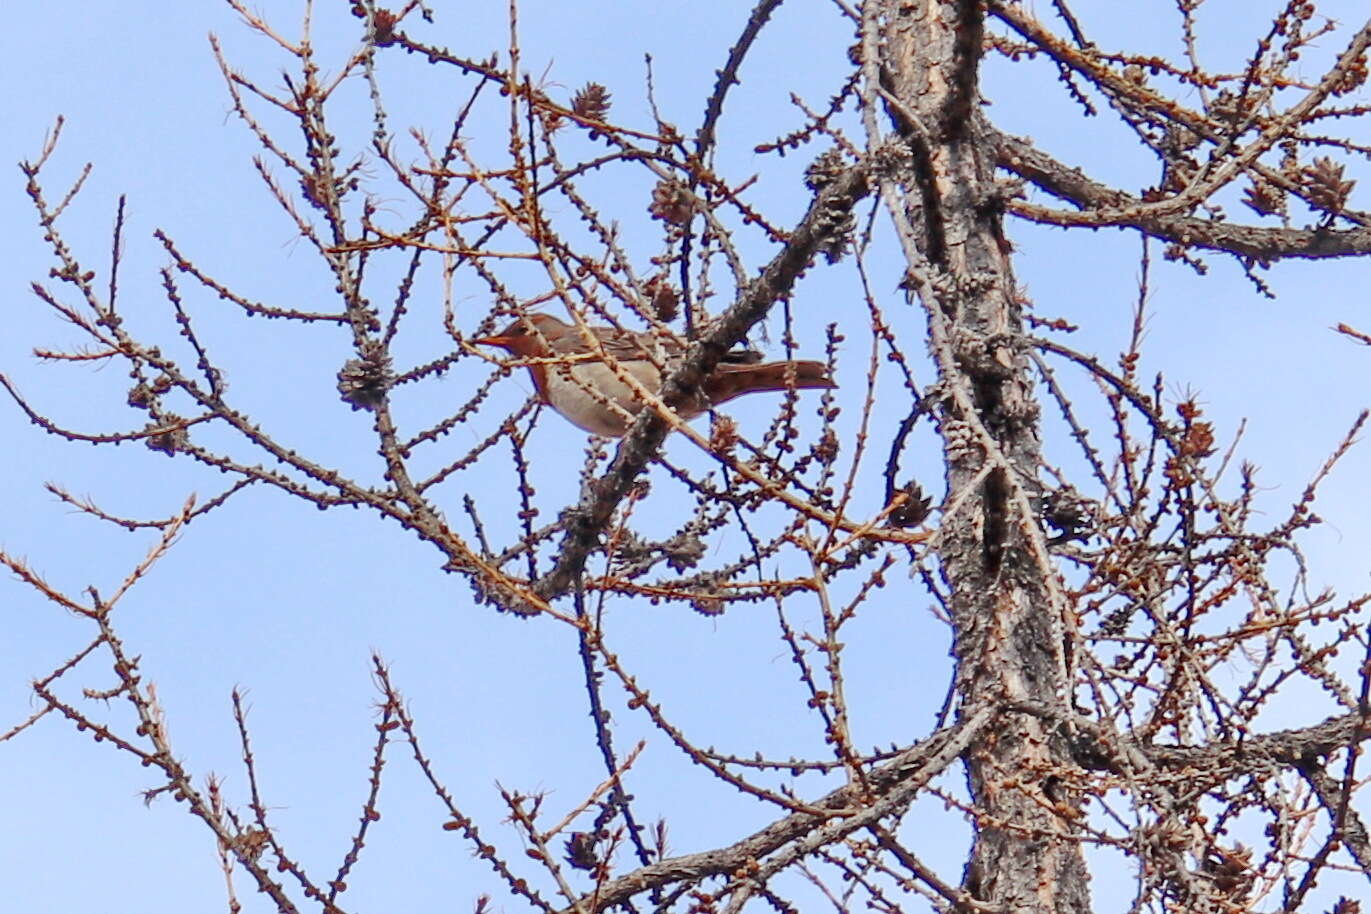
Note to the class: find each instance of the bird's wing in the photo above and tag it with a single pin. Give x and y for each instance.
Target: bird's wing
(630, 345)
(625, 344)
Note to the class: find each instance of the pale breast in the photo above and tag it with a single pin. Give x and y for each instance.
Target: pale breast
(566, 392)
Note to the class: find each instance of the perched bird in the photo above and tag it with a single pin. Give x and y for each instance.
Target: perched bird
(567, 386)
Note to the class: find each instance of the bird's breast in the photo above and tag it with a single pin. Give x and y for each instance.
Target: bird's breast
(592, 396)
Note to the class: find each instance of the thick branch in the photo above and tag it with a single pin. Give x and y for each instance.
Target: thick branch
(1220, 759)
(1103, 206)
(903, 774)
(1288, 747)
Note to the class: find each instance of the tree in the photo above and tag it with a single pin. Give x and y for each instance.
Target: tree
(1124, 628)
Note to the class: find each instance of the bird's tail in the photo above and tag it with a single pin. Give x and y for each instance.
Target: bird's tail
(729, 381)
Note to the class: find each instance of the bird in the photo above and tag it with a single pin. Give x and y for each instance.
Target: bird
(588, 392)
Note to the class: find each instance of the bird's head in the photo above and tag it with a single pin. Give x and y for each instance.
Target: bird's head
(529, 336)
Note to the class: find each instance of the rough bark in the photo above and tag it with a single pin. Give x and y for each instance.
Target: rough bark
(1007, 611)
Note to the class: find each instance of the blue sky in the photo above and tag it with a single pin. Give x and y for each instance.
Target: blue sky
(285, 602)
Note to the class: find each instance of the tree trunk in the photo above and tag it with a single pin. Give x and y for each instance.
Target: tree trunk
(1008, 609)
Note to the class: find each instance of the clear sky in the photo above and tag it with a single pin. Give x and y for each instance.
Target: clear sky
(286, 602)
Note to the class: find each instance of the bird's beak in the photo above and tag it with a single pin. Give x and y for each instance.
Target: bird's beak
(497, 340)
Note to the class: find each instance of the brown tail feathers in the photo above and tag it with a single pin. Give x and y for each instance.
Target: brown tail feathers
(729, 381)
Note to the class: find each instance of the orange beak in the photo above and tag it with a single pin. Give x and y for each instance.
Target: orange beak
(497, 340)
